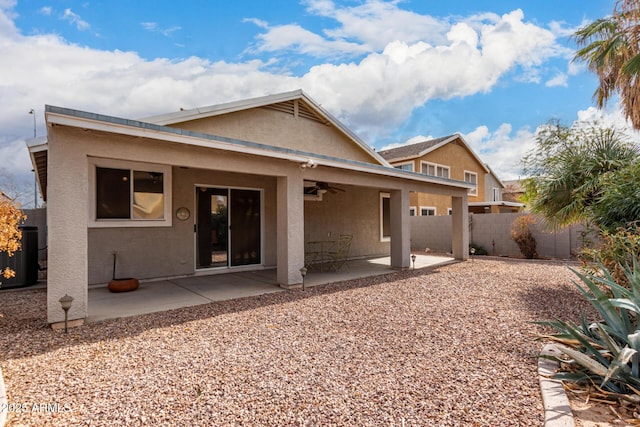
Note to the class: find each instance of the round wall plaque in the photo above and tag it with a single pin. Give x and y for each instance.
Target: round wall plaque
(183, 214)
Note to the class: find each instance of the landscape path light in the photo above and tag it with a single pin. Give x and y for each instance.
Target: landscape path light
(413, 259)
(303, 272)
(65, 302)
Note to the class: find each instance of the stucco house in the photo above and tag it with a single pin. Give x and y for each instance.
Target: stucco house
(452, 158)
(236, 186)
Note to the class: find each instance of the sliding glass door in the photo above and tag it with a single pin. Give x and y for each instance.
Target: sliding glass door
(228, 229)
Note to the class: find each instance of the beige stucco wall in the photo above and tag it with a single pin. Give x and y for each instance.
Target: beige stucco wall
(78, 255)
(152, 252)
(355, 211)
(267, 127)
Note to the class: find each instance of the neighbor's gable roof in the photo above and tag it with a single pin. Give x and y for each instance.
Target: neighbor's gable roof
(413, 151)
(305, 107)
(494, 175)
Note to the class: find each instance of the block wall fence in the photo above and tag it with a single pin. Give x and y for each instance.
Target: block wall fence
(492, 232)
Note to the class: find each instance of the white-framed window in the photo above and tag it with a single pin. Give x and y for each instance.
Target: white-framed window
(496, 194)
(129, 194)
(405, 166)
(385, 217)
(412, 211)
(427, 211)
(472, 178)
(434, 169)
(449, 211)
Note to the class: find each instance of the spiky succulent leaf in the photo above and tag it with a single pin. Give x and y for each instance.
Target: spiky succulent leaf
(619, 365)
(583, 360)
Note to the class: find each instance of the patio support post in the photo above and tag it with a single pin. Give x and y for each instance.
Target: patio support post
(290, 229)
(400, 230)
(67, 270)
(460, 227)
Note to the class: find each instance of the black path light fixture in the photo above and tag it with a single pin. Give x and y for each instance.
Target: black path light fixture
(65, 302)
(303, 272)
(413, 260)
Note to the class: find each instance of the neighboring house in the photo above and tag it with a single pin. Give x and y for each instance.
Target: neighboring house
(493, 197)
(513, 190)
(231, 187)
(448, 157)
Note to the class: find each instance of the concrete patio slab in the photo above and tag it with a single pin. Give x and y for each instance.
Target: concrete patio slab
(171, 294)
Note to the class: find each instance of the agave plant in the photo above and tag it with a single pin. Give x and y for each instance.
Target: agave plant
(607, 352)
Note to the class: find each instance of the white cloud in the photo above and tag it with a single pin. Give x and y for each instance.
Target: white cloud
(149, 26)
(503, 149)
(559, 79)
(76, 20)
(292, 37)
(46, 10)
(382, 90)
(406, 59)
(155, 28)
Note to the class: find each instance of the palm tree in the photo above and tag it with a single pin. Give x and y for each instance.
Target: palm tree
(569, 165)
(610, 48)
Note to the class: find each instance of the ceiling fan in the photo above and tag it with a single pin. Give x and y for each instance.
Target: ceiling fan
(311, 187)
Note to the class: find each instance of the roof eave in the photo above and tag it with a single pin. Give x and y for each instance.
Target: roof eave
(90, 121)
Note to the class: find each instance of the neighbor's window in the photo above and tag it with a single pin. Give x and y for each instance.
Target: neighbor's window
(405, 167)
(472, 178)
(412, 211)
(427, 211)
(496, 195)
(435, 169)
(130, 196)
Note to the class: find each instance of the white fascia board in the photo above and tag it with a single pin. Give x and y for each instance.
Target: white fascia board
(37, 144)
(500, 203)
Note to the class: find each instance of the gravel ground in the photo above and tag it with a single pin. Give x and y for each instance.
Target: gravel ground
(455, 346)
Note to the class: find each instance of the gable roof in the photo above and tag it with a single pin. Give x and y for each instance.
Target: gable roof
(295, 101)
(38, 147)
(494, 175)
(413, 151)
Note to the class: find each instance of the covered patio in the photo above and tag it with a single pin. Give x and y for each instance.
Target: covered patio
(169, 294)
(236, 187)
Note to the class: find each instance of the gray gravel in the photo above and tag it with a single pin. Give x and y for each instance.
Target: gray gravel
(451, 347)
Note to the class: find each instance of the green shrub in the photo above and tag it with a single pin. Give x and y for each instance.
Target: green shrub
(521, 234)
(477, 249)
(607, 352)
(617, 249)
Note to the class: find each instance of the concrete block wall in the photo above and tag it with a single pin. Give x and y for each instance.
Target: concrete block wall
(492, 232)
(38, 218)
(432, 232)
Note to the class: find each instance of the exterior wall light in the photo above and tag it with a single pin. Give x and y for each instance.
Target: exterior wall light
(65, 302)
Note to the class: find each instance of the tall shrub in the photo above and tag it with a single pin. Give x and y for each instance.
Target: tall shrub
(521, 234)
(10, 218)
(617, 250)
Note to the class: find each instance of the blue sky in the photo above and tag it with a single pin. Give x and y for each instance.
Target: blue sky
(392, 71)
